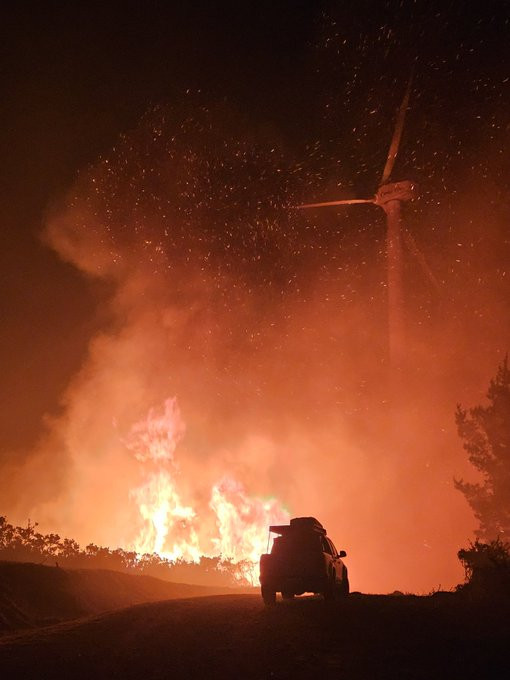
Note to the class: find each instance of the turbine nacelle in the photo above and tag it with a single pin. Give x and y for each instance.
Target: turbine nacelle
(396, 191)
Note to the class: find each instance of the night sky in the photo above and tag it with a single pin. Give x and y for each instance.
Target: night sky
(305, 94)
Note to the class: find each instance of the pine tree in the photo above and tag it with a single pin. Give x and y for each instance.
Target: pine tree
(486, 434)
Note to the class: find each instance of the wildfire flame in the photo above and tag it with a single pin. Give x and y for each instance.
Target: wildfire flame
(242, 521)
(173, 528)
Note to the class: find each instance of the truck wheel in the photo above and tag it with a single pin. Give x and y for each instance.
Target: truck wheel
(287, 594)
(268, 595)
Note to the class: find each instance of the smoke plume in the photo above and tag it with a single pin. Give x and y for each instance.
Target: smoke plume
(248, 342)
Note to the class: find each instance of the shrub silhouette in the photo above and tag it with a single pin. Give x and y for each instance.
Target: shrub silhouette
(26, 544)
(487, 567)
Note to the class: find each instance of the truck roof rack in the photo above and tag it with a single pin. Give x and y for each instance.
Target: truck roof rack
(299, 524)
(280, 529)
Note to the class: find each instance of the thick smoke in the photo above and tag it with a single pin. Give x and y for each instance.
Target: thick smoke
(269, 329)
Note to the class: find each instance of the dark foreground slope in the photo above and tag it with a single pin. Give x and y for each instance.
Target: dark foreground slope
(34, 595)
(366, 637)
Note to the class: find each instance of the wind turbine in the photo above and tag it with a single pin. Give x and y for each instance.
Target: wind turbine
(390, 196)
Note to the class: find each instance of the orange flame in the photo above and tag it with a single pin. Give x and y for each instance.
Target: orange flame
(240, 519)
(171, 527)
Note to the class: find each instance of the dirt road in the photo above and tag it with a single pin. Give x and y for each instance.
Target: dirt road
(237, 637)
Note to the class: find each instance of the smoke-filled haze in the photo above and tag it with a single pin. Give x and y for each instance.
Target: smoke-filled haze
(240, 372)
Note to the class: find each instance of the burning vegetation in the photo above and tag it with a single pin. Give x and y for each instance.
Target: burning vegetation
(27, 544)
(233, 525)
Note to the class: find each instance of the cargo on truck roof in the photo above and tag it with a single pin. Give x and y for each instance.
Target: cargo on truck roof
(299, 524)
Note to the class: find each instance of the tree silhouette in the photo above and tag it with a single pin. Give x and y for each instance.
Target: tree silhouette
(486, 434)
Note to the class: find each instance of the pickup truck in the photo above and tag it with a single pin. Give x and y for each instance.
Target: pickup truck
(302, 560)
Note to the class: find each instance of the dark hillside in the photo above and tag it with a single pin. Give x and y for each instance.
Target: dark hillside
(33, 594)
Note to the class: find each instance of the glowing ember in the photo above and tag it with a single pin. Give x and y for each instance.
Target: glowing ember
(171, 527)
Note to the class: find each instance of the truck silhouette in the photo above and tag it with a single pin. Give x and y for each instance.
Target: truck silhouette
(302, 560)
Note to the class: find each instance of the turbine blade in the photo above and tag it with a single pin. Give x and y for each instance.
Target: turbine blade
(349, 201)
(411, 244)
(397, 134)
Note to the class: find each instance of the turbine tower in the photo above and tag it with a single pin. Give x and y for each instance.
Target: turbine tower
(390, 196)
